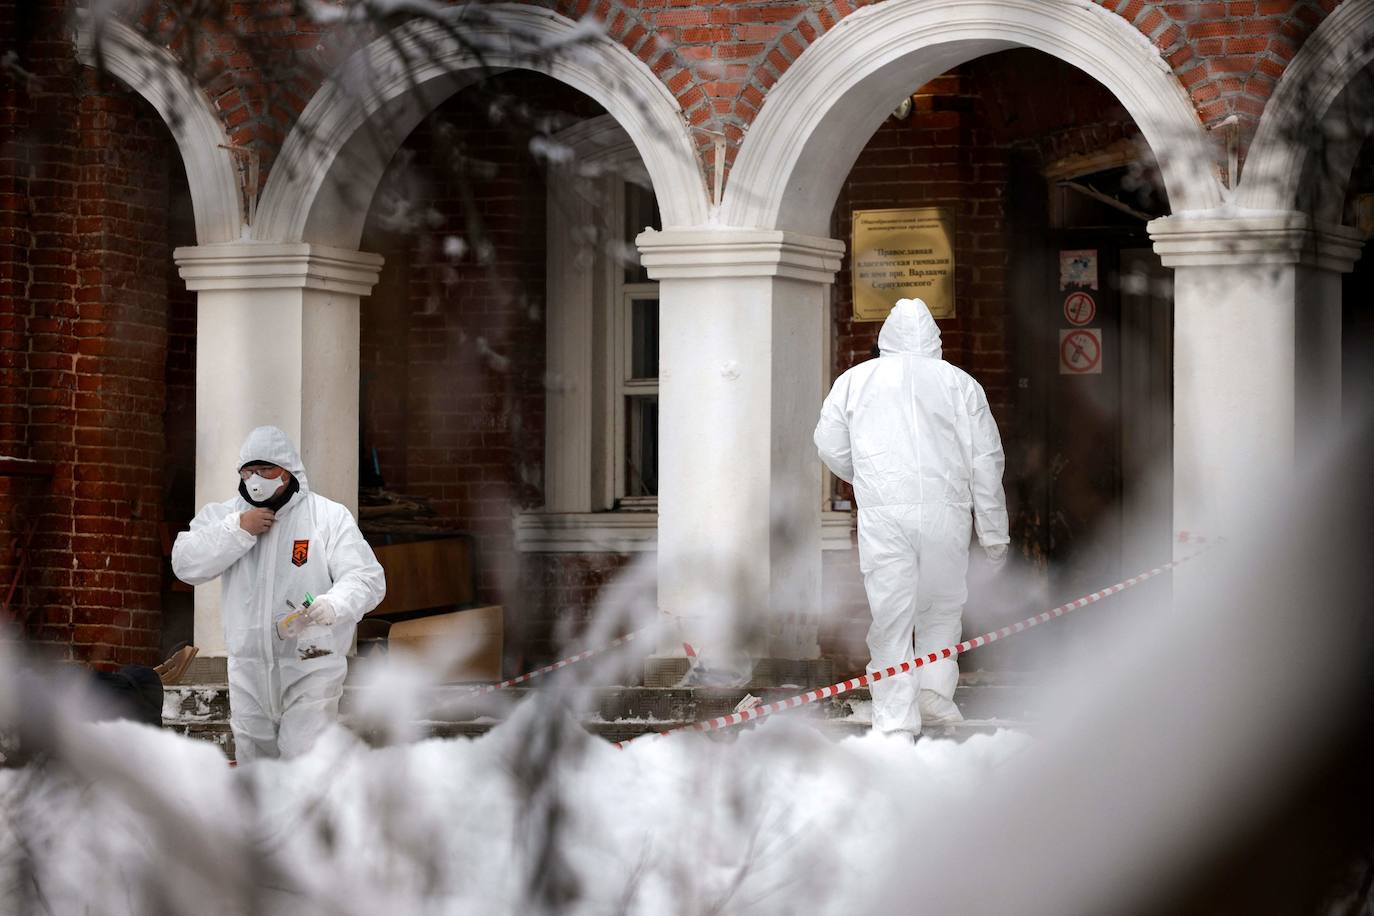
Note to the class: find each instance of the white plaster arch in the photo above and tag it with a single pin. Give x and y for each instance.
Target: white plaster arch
(1321, 107)
(154, 74)
(817, 119)
(321, 186)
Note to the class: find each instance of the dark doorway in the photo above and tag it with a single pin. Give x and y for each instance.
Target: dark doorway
(1093, 399)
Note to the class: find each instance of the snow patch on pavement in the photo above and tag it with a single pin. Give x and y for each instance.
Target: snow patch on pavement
(535, 816)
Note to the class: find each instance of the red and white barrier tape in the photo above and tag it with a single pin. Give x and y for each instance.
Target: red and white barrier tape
(581, 656)
(821, 693)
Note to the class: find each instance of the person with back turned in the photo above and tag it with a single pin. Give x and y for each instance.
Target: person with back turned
(916, 438)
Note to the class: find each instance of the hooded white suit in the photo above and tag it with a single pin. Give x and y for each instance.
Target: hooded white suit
(916, 438)
(281, 694)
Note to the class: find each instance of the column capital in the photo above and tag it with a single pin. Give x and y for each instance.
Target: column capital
(1243, 239)
(712, 252)
(278, 265)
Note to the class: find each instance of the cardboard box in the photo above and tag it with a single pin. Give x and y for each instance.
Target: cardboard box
(465, 645)
(423, 575)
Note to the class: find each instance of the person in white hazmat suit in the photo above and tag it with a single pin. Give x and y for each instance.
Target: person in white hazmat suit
(916, 438)
(274, 544)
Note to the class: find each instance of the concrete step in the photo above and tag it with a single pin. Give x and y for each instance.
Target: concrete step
(220, 734)
(988, 702)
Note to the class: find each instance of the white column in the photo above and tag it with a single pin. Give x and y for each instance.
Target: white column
(1257, 313)
(743, 314)
(570, 413)
(276, 343)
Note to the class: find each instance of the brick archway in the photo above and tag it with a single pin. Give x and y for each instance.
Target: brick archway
(1313, 128)
(154, 74)
(828, 103)
(331, 164)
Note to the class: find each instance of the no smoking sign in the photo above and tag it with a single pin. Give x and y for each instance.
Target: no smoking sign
(1080, 352)
(1079, 309)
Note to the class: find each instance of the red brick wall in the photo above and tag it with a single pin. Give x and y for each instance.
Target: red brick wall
(560, 592)
(260, 62)
(727, 57)
(463, 425)
(939, 157)
(21, 106)
(17, 113)
(84, 326)
(942, 155)
(453, 342)
(87, 189)
(954, 151)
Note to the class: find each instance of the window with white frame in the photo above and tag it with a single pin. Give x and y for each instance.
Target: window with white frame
(634, 306)
(601, 416)
(601, 441)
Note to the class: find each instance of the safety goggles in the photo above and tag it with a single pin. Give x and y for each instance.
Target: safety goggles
(268, 471)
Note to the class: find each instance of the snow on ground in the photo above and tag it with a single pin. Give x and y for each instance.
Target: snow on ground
(536, 816)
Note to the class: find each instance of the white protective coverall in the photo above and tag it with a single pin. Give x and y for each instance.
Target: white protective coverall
(916, 438)
(279, 700)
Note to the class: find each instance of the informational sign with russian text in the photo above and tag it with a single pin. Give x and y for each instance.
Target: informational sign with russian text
(903, 254)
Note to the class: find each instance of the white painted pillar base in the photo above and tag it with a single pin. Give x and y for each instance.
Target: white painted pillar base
(1257, 317)
(276, 343)
(742, 319)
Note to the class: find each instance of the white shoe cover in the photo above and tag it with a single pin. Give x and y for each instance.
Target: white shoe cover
(937, 710)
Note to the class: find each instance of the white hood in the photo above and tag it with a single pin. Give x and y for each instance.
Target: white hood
(910, 329)
(268, 443)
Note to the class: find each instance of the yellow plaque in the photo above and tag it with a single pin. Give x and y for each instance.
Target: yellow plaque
(903, 254)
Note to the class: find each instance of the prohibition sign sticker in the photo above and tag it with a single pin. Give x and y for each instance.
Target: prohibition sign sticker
(1080, 309)
(1080, 352)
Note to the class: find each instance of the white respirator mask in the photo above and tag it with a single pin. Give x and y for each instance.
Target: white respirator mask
(262, 489)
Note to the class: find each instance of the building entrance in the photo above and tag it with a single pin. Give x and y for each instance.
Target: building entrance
(1105, 367)
(1092, 402)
